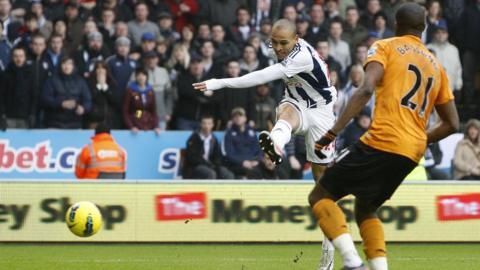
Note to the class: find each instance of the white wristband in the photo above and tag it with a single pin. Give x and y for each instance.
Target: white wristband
(214, 84)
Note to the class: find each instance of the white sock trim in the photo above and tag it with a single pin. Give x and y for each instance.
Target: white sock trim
(378, 263)
(344, 244)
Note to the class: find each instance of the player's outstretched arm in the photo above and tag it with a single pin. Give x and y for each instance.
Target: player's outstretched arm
(448, 123)
(265, 75)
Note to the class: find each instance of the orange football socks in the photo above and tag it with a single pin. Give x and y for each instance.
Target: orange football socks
(330, 218)
(371, 231)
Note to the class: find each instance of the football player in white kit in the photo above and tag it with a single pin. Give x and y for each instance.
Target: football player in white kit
(307, 107)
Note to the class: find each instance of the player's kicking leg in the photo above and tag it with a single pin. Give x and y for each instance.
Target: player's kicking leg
(272, 143)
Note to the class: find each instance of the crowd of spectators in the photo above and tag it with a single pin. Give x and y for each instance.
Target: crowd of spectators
(131, 64)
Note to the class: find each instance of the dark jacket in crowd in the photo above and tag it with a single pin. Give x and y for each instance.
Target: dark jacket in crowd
(240, 146)
(262, 172)
(5, 51)
(103, 110)
(468, 29)
(192, 104)
(139, 108)
(61, 87)
(85, 59)
(121, 69)
(195, 152)
(19, 97)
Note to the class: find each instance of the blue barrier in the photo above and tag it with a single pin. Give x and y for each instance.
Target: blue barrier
(51, 154)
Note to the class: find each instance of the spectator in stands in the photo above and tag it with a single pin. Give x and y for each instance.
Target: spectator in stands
(302, 24)
(297, 156)
(232, 98)
(323, 49)
(355, 79)
(466, 160)
(263, 115)
(332, 9)
(469, 27)
(241, 29)
(220, 11)
(167, 29)
(54, 9)
(290, 13)
(390, 7)
(366, 19)
(448, 56)
(240, 144)
(203, 157)
(265, 169)
(192, 104)
(453, 10)
(355, 129)
(55, 51)
(264, 10)
(433, 157)
(86, 57)
(224, 49)
(148, 42)
(28, 29)
(186, 38)
(159, 79)
(60, 29)
(139, 106)
(106, 26)
(339, 49)
(74, 27)
(5, 50)
(249, 61)
(183, 12)
(380, 26)
(318, 27)
(434, 18)
(262, 49)
(122, 11)
(103, 91)
(211, 68)
(45, 26)
(19, 99)
(121, 30)
(121, 67)
(179, 61)
(353, 32)
(140, 25)
(65, 97)
(10, 27)
(203, 34)
(103, 158)
(360, 56)
(265, 30)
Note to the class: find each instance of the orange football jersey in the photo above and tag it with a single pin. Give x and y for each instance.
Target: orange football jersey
(413, 82)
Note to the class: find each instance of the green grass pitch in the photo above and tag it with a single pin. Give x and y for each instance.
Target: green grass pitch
(220, 256)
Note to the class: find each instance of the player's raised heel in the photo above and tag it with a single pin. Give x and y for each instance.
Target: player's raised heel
(267, 146)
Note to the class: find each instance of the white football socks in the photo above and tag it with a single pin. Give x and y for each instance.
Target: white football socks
(378, 263)
(346, 247)
(281, 133)
(328, 254)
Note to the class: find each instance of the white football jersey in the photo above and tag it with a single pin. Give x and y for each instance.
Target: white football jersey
(306, 77)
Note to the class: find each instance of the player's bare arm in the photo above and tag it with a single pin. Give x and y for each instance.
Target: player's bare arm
(373, 75)
(448, 124)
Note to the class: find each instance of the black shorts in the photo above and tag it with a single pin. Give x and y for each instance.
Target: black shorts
(369, 174)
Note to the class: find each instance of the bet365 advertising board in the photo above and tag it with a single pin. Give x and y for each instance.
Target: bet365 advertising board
(226, 211)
